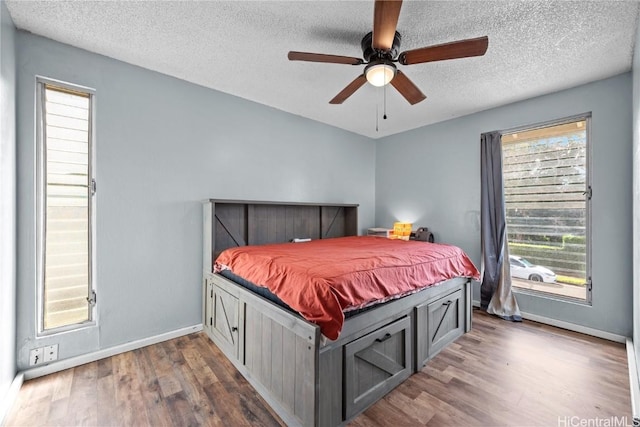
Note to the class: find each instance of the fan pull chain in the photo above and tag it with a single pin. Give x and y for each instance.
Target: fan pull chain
(385, 103)
(376, 117)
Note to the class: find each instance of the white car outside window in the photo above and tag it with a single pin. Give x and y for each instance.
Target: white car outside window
(523, 269)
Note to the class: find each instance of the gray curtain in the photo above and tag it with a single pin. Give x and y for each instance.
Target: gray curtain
(495, 292)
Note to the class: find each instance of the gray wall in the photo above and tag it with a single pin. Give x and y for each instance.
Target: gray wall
(636, 198)
(431, 176)
(163, 145)
(7, 203)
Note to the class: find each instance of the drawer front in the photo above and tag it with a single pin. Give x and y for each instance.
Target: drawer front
(224, 322)
(375, 364)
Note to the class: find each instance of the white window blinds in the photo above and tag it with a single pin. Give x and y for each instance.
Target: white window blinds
(66, 187)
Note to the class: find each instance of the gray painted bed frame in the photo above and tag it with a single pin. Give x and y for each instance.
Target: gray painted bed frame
(306, 379)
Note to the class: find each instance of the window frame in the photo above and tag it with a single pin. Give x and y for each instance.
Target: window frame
(41, 184)
(588, 205)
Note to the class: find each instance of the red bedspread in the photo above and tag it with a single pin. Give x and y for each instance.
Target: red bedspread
(322, 278)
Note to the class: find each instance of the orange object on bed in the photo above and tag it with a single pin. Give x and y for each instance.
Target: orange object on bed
(322, 278)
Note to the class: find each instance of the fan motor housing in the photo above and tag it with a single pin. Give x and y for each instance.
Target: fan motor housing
(371, 54)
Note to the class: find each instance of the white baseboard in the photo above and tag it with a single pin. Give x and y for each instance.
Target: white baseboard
(634, 384)
(12, 394)
(570, 326)
(107, 352)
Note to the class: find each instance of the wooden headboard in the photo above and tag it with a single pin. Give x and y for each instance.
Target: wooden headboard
(232, 223)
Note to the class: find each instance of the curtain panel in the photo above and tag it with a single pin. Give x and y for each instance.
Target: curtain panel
(496, 296)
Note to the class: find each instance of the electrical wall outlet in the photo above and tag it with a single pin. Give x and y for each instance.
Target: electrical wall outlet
(51, 353)
(36, 356)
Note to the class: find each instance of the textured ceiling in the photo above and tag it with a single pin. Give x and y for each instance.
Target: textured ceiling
(240, 47)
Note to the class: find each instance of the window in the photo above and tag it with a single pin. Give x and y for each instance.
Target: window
(65, 208)
(515, 263)
(547, 198)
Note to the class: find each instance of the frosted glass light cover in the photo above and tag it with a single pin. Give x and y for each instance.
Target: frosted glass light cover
(380, 74)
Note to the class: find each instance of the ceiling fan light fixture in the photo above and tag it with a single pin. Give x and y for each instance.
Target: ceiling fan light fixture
(380, 73)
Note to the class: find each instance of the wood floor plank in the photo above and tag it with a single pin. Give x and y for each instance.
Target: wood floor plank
(198, 399)
(105, 367)
(420, 413)
(58, 412)
(447, 414)
(180, 411)
(83, 398)
(33, 402)
(108, 413)
(150, 389)
(226, 404)
(63, 383)
(127, 390)
(499, 374)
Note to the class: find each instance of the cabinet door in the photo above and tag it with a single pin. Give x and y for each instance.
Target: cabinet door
(224, 322)
(375, 364)
(438, 323)
(445, 321)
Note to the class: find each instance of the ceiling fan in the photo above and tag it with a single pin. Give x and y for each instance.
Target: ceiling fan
(380, 51)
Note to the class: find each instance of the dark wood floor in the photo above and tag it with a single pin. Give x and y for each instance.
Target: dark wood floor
(499, 374)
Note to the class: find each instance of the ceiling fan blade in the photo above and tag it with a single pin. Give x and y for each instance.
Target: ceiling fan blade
(320, 57)
(385, 21)
(453, 50)
(349, 90)
(406, 88)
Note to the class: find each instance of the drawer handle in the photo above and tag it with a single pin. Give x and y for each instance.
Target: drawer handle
(448, 303)
(234, 328)
(384, 338)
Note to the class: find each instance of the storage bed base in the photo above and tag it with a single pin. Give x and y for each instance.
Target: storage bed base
(305, 380)
(311, 383)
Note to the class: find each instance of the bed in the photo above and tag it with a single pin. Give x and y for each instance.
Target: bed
(319, 370)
